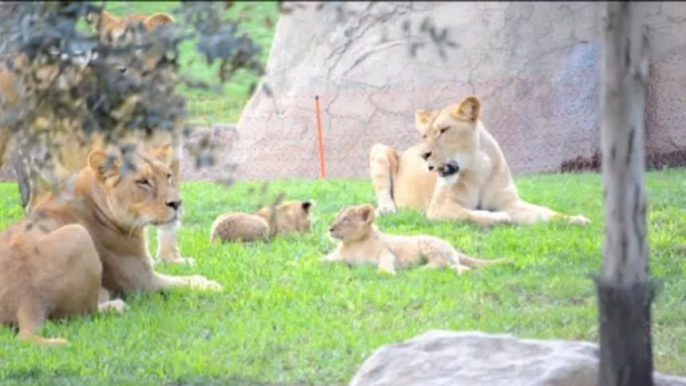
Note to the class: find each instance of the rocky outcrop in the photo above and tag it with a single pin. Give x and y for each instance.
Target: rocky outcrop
(445, 358)
(536, 67)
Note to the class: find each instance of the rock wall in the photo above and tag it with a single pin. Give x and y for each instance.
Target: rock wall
(535, 66)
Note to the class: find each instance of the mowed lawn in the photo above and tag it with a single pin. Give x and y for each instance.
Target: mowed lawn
(257, 19)
(286, 319)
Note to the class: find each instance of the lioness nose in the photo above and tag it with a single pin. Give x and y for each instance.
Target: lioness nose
(174, 204)
(331, 229)
(426, 155)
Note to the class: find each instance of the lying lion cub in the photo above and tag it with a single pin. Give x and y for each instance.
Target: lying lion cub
(362, 243)
(289, 217)
(75, 249)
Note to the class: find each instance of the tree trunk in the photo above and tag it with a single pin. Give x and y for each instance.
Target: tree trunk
(624, 290)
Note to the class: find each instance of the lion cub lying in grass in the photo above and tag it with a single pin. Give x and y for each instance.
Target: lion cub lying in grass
(362, 243)
(288, 218)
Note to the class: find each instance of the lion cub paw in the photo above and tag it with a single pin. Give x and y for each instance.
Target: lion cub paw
(579, 220)
(202, 283)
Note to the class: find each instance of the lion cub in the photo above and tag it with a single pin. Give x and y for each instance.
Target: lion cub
(289, 217)
(362, 243)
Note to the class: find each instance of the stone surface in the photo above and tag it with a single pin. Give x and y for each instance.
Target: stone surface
(536, 67)
(446, 358)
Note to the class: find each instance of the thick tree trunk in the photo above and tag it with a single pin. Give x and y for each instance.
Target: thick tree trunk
(624, 290)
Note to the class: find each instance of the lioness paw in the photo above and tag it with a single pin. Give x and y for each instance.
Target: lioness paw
(201, 283)
(116, 305)
(178, 260)
(385, 208)
(579, 220)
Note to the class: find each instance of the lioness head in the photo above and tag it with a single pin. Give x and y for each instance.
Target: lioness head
(140, 197)
(352, 223)
(449, 136)
(113, 29)
(290, 217)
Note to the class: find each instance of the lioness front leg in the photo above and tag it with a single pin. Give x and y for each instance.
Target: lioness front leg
(454, 211)
(161, 282)
(167, 245)
(525, 213)
(383, 165)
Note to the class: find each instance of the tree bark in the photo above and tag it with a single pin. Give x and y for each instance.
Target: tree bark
(624, 290)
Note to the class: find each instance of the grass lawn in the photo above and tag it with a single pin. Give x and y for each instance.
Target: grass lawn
(285, 319)
(206, 106)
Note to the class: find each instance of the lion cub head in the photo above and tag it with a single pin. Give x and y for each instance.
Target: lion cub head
(289, 217)
(136, 198)
(352, 223)
(450, 137)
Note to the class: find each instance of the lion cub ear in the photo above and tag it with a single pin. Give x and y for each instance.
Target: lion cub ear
(421, 119)
(367, 213)
(307, 205)
(468, 110)
(163, 153)
(157, 19)
(102, 164)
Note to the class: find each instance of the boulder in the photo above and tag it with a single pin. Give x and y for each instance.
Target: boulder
(446, 358)
(535, 65)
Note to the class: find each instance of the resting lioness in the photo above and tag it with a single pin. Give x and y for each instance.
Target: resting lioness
(54, 262)
(288, 218)
(75, 146)
(457, 172)
(361, 242)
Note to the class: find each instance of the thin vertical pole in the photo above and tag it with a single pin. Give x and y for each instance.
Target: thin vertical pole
(320, 141)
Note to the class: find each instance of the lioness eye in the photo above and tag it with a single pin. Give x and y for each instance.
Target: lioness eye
(443, 130)
(144, 183)
(122, 69)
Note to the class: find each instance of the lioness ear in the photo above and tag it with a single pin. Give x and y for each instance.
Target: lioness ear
(163, 153)
(468, 110)
(421, 118)
(367, 213)
(101, 164)
(157, 19)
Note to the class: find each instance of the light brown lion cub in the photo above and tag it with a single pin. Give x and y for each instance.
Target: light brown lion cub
(362, 243)
(76, 249)
(289, 218)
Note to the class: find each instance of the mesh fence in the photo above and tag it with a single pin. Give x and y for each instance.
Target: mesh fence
(542, 124)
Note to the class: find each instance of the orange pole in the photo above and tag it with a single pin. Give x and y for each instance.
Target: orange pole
(322, 170)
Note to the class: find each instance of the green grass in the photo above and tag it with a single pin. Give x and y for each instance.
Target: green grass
(207, 106)
(285, 319)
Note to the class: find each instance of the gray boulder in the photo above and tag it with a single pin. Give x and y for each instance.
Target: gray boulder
(446, 358)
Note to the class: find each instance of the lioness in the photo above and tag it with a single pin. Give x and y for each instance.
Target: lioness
(362, 243)
(289, 218)
(75, 147)
(54, 262)
(457, 172)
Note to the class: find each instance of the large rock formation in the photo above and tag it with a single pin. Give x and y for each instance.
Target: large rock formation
(536, 67)
(445, 358)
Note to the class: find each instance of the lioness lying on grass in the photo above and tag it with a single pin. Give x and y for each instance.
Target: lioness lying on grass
(287, 218)
(457, 172)
(76, 249)
(362, 243)
(75, 146)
